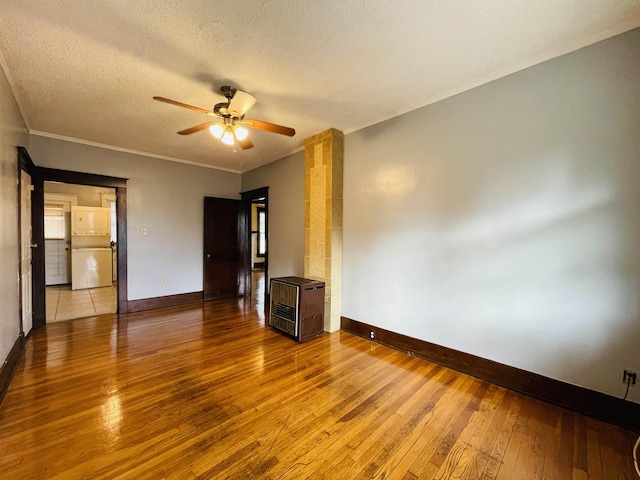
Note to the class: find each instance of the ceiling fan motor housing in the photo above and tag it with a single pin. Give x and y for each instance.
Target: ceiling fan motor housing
(228, 91)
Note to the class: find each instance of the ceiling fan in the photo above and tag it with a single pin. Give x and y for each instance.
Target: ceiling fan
(229, 125)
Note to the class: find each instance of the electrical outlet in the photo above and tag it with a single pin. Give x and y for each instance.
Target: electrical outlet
(161, 285)
(630, 377)
(372, 334)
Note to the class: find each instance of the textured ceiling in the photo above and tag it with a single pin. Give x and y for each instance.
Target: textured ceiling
(87, 70)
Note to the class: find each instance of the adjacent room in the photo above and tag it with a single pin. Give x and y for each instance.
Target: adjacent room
(80, 257)
(320, 239)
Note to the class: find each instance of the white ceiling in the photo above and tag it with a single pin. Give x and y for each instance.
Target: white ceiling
(87, 70)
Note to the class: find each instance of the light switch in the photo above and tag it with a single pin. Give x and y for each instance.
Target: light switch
(143, 230)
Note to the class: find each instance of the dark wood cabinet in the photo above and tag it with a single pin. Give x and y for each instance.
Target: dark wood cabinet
(297, 307)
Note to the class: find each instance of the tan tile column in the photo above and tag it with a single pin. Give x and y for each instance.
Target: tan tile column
(323, 219)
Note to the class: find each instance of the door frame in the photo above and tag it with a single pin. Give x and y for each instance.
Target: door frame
(41, 175)
(253, 196)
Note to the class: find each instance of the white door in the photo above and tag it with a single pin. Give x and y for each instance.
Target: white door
(57, 241)
(25, 251)
(57, 246)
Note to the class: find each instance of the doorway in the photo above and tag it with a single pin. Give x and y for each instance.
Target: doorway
(228, 256)
(226, 253)
(259, 243)
(80, 279)
(119, 185)
(258, 250)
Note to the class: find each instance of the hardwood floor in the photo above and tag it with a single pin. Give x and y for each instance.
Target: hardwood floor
(207, 391)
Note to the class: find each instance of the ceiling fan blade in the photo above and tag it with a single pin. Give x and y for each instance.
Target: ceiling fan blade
(245, 144)
(183, 105)
(269, 127)
(241, 103)
(197, 128)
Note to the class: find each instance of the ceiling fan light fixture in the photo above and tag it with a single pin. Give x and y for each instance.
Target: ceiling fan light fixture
(241, 132)
(227, 136)
(216, 130)
(228, 126)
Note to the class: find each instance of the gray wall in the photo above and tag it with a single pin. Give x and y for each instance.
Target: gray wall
(164, 197)
(13, 133)
(505, 221)
(285, 179)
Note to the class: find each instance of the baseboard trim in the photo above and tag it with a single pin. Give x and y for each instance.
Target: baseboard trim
(588, 402)
(8, 367)
(166, 301)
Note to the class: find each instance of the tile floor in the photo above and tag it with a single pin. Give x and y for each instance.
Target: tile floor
(66, 304)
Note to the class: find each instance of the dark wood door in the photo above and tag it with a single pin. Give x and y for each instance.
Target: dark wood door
(226, 253)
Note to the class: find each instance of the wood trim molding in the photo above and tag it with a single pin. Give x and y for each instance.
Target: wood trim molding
(38, 274)
(166, 301)
(256, 193)
(24, 161)
(122, 273)
(8, 367)
(588, 402)
(81, 178)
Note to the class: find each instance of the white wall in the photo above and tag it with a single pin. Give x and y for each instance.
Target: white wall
(505, 221)
(285, 179)
(13, 133)
(164, 197)
(88, 196)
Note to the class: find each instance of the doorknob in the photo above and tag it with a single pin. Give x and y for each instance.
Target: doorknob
(208, 256)
(34, 245)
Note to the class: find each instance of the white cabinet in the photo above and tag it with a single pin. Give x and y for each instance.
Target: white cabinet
(90, 221)
(56, 262)
(91, 268)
